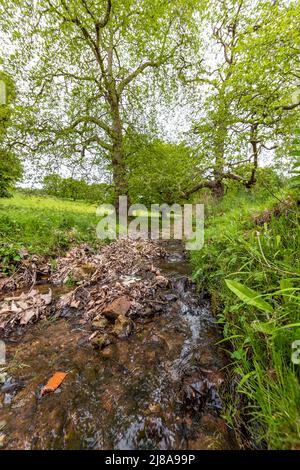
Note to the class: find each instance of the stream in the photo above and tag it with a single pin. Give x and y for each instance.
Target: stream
(157, 389)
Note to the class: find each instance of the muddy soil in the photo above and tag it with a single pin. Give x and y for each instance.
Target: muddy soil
(157, 389)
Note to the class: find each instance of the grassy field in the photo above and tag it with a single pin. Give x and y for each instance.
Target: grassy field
(43, 225)
(254, 242)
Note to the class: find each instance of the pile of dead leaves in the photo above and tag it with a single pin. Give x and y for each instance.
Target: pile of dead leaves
(283, 208)
(124, 284)
(77, 266)
(114, 286)
(26, 308)
(123, 268)
(125, 256)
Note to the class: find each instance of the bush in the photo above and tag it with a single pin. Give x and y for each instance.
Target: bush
(10, 172)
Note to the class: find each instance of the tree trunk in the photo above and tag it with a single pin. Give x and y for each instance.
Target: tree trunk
(218, 188)
(119, 173)
(118, 154)
(219, 144)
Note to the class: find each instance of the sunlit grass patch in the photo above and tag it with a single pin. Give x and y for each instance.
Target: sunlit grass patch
(42, 225)
(41, 203)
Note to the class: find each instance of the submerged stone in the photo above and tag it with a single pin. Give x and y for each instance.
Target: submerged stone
(101, 341)
(123, 327)
(100, 324)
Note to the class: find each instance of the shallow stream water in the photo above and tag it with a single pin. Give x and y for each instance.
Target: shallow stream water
(157, 389)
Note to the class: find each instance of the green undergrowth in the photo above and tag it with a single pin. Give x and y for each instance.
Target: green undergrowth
(250, 265)
(43, 226)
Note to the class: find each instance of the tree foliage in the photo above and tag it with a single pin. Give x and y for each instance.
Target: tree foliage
(252, 87)
(94, 75)
(10, 166)
(158, 171)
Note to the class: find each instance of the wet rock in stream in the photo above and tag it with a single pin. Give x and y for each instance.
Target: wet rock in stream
(117, 308)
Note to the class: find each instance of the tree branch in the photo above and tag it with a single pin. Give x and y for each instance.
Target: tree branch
(98, 141)
(288, 107)
(134, 74)
(92, 120)
(103, 23)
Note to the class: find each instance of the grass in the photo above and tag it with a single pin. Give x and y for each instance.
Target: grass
(43, 226)
(259, 325)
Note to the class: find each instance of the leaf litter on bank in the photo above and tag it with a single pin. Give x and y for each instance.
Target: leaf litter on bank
(24, 309)
(29, 269)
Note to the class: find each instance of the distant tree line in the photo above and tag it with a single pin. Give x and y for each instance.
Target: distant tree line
(70, 188)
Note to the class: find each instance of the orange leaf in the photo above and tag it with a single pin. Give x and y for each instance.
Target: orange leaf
(54, 382)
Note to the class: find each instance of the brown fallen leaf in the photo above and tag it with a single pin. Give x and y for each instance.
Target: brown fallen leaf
(27, 316)
(14, 308)
(47, 298)
(161, 280)
(54, 382)
(24, 309)
(75, 304)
